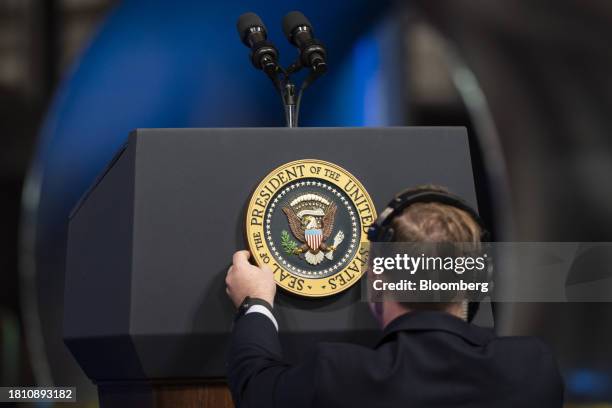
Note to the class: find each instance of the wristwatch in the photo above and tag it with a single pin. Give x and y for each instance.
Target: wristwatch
(247, 303)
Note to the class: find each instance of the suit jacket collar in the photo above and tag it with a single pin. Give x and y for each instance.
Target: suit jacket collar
(426, 320)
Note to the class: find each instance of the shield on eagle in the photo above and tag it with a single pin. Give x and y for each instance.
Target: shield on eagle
(314, 237)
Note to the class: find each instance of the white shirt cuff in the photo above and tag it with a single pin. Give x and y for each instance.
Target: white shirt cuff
(264, 311)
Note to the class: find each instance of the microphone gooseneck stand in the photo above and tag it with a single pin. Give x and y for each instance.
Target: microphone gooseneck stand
(290, 98)
(290, 104)
(264, 56)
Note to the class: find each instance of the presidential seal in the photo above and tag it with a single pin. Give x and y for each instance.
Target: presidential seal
(308, 220)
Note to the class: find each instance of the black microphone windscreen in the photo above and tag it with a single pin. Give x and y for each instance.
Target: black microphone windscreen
(292, 20)
(246, 21)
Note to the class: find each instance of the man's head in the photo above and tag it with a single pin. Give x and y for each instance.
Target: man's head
(433, 222)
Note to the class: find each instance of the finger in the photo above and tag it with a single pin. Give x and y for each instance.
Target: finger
(241, 258)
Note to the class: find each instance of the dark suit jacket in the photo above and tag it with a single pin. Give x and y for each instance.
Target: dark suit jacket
(423, 359)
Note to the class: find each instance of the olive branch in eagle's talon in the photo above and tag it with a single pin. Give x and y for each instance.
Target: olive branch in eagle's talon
(289, 246)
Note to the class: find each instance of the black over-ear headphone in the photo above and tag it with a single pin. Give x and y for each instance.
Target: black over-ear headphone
(382, 231)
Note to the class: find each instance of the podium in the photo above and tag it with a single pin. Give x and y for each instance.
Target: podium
(146, 314)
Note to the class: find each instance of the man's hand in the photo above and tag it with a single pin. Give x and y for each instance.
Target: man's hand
(244, 279)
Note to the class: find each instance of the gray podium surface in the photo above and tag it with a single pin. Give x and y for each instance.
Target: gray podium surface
(150, 243)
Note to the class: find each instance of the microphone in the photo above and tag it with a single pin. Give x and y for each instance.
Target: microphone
(298, 31)
(253, 34)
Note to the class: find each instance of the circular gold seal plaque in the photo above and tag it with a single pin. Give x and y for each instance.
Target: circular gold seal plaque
(308, 221)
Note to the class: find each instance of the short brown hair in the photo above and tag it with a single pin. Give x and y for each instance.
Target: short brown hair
(436, 223)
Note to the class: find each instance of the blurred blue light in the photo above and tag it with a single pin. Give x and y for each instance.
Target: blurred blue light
(181, 64)
(589, 384)
(360, 90)
(367, 79)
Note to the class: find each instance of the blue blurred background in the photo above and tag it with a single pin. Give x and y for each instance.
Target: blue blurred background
(532, 83)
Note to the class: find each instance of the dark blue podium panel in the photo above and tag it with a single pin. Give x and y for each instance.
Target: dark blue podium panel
(150, 243)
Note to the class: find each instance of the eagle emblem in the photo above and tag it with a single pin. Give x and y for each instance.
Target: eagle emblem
(311, 220)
